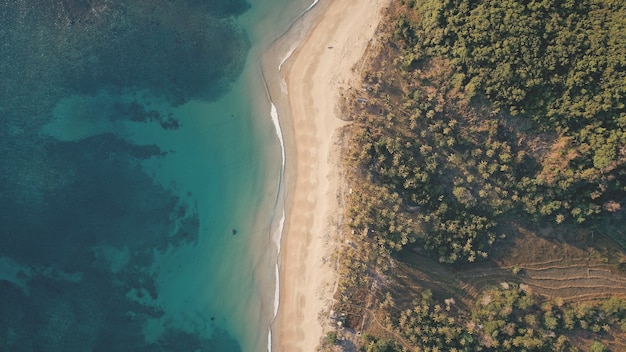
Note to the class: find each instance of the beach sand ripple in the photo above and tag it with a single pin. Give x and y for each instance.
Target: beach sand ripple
(314, 75)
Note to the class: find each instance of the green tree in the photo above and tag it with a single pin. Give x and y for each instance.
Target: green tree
(597, 346)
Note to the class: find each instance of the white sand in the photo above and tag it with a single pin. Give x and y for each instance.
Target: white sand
(319, 67)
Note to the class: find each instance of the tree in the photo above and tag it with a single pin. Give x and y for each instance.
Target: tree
(597, 347)
(374, 344)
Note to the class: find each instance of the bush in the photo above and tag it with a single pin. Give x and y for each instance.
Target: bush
(597, 347)
(332, 338)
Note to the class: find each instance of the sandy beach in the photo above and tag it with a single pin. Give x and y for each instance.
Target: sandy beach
(321, 66)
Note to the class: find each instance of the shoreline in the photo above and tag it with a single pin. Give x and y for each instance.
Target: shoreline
(309, 81)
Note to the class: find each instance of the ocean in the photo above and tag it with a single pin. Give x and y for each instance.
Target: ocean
(141, 174)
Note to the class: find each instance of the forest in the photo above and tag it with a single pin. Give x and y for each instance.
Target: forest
(475, 122)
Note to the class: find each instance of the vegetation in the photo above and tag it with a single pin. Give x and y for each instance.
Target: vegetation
(479, 117)
(467, 121)
(505, 318)
(559, 64)
(373, 344)
(331, 337)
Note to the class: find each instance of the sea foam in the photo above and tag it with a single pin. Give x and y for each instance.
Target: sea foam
(279, 134)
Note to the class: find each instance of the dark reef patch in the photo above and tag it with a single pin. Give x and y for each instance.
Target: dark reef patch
(178, 49)
(64, 203)
(137, 112)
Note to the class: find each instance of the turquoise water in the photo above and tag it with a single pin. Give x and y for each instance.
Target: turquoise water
(139, 178)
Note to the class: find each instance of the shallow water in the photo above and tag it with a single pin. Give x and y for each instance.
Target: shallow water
(139, 175)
